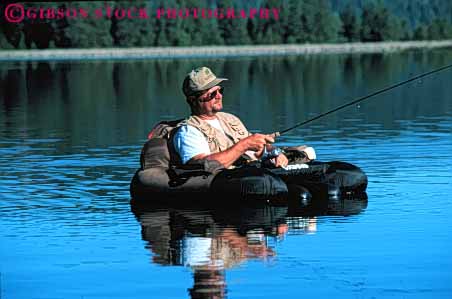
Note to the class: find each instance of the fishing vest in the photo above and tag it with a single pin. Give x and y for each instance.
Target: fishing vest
(234, 131)
(159, 150)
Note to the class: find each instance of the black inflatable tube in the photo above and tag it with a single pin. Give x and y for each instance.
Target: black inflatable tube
(320, 180)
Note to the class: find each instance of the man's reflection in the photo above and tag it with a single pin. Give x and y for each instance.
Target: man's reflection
(211, 240)
(180, 236)
(209, 282)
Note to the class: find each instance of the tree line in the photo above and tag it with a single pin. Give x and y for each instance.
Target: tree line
(300, 21)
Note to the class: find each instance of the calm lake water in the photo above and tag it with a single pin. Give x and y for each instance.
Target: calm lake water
(70, 138)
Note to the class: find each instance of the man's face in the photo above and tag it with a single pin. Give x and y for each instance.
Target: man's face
(210, 102)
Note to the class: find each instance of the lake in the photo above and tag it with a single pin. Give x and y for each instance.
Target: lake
(70, 139)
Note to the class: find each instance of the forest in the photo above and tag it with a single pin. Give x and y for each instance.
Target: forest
(299, 22)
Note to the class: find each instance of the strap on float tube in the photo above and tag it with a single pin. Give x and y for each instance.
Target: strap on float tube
(277, 134)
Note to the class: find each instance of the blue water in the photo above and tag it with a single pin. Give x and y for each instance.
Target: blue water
(70, 138)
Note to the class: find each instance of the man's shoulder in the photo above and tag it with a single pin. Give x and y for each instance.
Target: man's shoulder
(186, 129)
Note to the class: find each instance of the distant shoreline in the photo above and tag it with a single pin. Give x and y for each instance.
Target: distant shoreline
(216, 51)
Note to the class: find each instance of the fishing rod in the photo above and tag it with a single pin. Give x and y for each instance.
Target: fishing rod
(361, 99)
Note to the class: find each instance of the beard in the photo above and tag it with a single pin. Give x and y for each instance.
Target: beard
(209, 111)
(217, 107)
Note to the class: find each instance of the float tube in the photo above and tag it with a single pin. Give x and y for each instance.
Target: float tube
(159, 180)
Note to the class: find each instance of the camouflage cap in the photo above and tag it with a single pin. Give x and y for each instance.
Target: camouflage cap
(200, 79)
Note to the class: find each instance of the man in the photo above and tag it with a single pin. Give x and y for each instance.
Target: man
(211, 134)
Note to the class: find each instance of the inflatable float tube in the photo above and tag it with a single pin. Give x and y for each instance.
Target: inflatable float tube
(250, 182)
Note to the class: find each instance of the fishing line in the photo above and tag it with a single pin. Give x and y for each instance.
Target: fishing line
(276, 134)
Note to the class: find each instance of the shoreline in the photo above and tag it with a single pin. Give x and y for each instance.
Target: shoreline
(216, 51)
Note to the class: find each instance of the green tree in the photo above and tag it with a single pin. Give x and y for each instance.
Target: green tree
(201, 31)
(319, 23)
(168, 28)
(407, 32)
(160, 32)
(306, 33)
(351, 24)
(269, 30)
(40, 33)
(378, 24)
(30, 33)
(420, 33)
(11, 34)
(138, 31)
(439, 29)
(328, 23)
(4, 44)
(89, 32)
(177, 31)
(232, 31)
(291, 21)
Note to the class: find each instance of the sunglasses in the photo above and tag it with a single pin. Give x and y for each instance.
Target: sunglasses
(210, 96)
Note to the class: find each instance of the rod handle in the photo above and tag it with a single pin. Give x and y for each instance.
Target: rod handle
(276, 134)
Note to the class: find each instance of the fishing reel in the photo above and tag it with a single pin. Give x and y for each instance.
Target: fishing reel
(270, 152)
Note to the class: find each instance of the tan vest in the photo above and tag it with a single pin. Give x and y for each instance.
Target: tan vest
(218, 142)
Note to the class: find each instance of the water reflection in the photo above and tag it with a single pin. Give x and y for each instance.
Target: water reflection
(211, 240)
(48, 96)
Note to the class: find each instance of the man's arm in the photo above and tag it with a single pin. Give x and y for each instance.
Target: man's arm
(227, 157)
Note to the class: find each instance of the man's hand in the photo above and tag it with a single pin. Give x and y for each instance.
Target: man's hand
(256, 142)
(280, 161)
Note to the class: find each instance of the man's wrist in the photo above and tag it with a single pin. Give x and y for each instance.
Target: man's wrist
(240, 147)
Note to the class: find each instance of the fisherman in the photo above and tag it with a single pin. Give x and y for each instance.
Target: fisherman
(209, 134)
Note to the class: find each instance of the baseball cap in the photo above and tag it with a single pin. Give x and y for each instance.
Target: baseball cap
(200, 79)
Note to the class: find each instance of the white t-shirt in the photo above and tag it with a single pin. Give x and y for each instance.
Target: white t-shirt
(190, 142)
